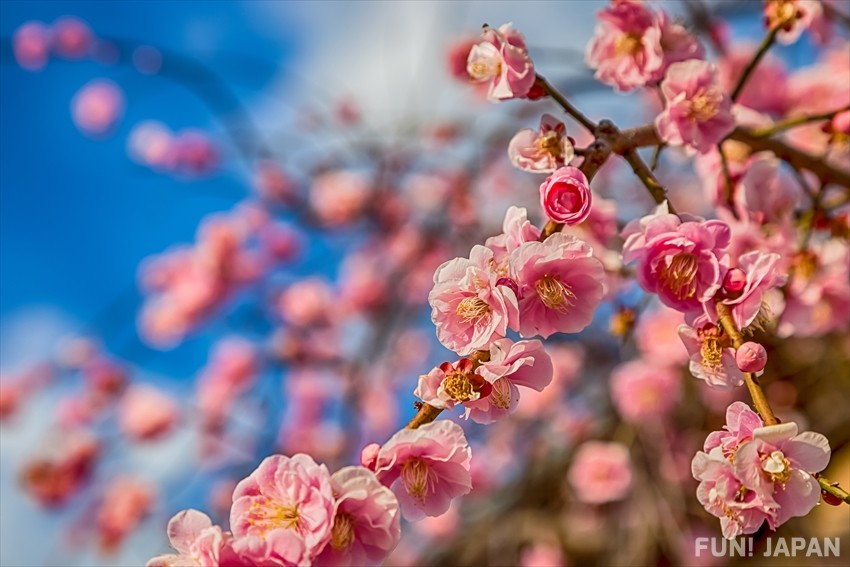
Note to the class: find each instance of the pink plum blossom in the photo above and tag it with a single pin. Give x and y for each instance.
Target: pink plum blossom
(681, 261)
(760, 274)
(62, 468)
(31, 45)
(450, 384)
(600, 472)
(146, 413)
(560, 285)
(697, 114)
(645, 391)
(778, 464)
(126, 502)
(502, 60)
(366, 525)
(197, 541)
(712, 357)
(468, 306)
(741, 422)
(626, 47)
(657, 335)
(283, 511)
(516, 230)
(426, 468)
(511, 364)
(565, 196)
(338, 197)
(543, 150)
(72, 38)
(791, 17)
(741, 510)
(97, 107)
(764, 193)
(307, 302)
(195, 152)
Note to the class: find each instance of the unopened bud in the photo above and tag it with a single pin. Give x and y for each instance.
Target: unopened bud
(751, 357)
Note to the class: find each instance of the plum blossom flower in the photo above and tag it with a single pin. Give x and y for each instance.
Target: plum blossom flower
(560, 285)
(626, 47)
(791, 17)
(502, 60)
(146, 413)
(450, 384)
(681, 261)
(741, 422)
(544, 150)
(565, 196)
(72, 37)
(741, 510)
(677, 43)
(468, 306)
(426, 468)
(644, 391)
(712, 357)
(197, 541)
(31, 45)
(366, 525)
(778, 464)
(97, 107)
(511, 364)
(284, 510)
(600, 472)
(698, 114)
(516, 230)
(126, 502)
(760, 273)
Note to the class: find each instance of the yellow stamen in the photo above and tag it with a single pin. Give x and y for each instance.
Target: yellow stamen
(414, 475)
(500, 396)
(550, 143)
(679, 275)
(555, 294)
(342, 534)
(472, 309)
(458, 386)
(705, 105)
(627, 44)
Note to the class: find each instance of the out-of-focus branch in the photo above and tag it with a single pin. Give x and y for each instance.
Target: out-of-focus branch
(789, 123)
(751, 66)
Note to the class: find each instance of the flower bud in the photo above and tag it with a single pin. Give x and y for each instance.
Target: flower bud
(751, 357)
(369, 455)
(734, 282)
(565, 196)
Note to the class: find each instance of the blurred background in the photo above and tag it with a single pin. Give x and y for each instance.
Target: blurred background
(218, 227)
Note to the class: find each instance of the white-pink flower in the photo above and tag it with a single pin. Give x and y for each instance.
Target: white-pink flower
(468, 307)
(626, 47)
(366, 526)
(502, 60)
(426, 468)
(542, 150)
(283, 511)
(712, 357)
(697, 113)
(511, 364)
(778, 464)
(560, 285)
(600, 472)
(197, 541)
(645, 391)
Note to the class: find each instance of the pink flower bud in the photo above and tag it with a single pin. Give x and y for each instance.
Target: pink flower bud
(734, 282)
(369, 455)
(751, 357)
(565, 196)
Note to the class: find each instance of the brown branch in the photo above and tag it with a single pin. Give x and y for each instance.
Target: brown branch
(751, 66)
(789, 123)
(565, 104)
(832, 488)
(756, 393)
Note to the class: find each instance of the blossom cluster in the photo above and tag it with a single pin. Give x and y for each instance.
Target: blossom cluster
(292, 512)
(750, 472)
